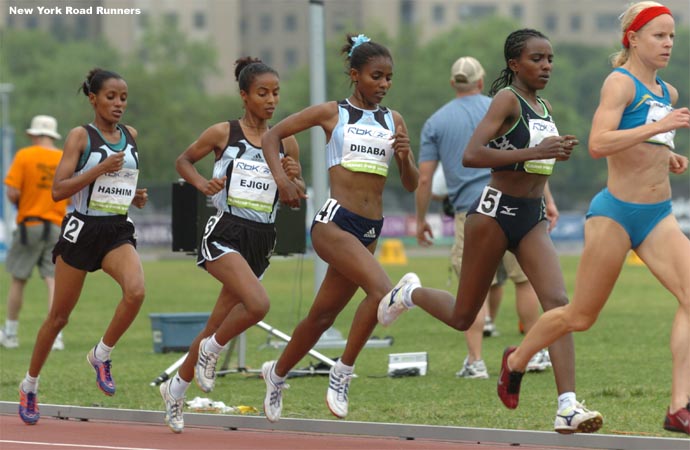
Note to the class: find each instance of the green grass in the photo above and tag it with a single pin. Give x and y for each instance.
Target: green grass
(623, 361)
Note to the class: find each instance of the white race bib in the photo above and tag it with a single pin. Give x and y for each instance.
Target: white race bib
(113, 192)
(252, 186)
(658, 111)
(367, 149)
(539, 129)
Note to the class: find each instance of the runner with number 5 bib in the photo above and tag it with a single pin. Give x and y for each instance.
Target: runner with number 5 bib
(519, 141)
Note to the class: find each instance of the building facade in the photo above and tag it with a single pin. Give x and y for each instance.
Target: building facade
(277, 31)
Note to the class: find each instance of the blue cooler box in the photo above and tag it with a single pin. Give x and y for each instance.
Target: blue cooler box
(174, 332)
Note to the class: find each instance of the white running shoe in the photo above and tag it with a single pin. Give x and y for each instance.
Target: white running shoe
(577, 419)
(545, 358)
(338, 389)
(59, 344)
(539, 362)
(490, 328)
(273, 402)
(392, 305)
(8, 340)
(205, 368)
(174, 417)
(475, 370)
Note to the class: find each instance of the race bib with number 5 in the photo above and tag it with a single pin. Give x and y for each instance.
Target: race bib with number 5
(488, 202)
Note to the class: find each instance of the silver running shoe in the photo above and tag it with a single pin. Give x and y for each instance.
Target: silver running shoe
(174, 417)
(578, 419)
(539, 362)
(205, 368)
(391, 305)
(475, 370)
(338, 389)
(58, 344)
(8, 340)
(273, 402)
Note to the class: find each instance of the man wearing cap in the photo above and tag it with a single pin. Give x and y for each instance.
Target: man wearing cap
(29, 184)
(443, 140)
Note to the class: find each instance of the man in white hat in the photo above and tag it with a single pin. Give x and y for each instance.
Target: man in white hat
(29, 187)
(443, 140)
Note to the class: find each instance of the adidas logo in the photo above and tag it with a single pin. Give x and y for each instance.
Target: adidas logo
(370, 234)
(258, 157)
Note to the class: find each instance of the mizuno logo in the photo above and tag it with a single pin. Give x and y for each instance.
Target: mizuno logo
(392, 300)
(370, 234)
(508, 211)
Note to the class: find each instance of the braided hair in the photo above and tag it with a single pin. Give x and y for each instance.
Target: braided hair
(512, 49)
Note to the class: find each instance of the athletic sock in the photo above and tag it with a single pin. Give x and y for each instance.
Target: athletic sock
(275, 378)
(407, 295)
(178, 386)
(342, 368)
(11, 327)
(30, 384)
(102, 352)
(212, 345)
(565, 400)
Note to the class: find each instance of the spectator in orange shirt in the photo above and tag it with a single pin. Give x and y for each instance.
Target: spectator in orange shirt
(29, 182)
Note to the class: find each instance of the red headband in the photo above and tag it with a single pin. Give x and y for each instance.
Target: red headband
(642, 18)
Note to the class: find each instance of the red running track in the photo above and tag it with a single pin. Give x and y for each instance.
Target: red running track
(51, 433)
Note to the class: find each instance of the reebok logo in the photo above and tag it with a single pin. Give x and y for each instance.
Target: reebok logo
(508, 211)
(370, 234)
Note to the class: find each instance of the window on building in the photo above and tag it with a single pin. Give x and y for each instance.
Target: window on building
(31, 22)
(517, 11)
(171, 19)
(57, 27)
(266, 56)
(290, 23)
(438, 14)
(291, 58)
(407, 12)
(266, 23)
(475, 11)
(144, 20)
(607, 22)
(575, 23)
(81, 27)
(550, 22)
(199, 20)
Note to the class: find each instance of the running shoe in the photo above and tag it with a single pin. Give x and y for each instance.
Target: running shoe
(273, 402)
(475, 370)
(338, 389)
(28, 407)
(539, 362)
(679, 421)
(577, 419)
(174, 416)
(509, 382)
(490, 328)
(8, 340)
(104, 379)
(206, 368)
(58, 344)
(392, 305)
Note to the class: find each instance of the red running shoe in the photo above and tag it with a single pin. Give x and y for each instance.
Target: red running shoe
(678, 421)
(28, 407)
(509, 382)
